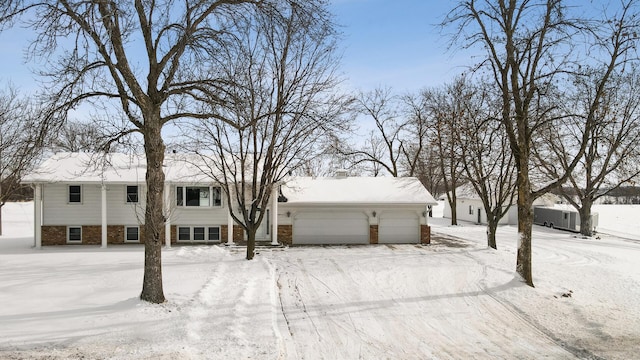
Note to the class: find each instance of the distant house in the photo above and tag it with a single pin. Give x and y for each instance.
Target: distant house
(470, 208)
(82, 201)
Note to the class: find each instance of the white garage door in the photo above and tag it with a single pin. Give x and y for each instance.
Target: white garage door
(399, 228)
(331, 227)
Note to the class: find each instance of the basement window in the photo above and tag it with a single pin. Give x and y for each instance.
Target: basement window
(199, 233)
(132, 234)
(74, 234)
(214, 233)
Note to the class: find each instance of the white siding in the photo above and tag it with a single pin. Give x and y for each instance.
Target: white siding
(119, 212)
(463, 212)
(58, 211)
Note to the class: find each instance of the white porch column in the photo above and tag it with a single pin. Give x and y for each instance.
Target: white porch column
(229, 228)
(274, 215)
(37, 216)
(104, 216)
(167, 215)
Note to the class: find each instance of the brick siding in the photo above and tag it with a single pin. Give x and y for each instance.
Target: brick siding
(54, 235)
(373, 234)
(425, 234)
(285, 234)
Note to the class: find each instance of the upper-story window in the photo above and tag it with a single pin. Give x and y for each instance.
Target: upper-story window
(132, 193)
(201, 196)
(75, 194)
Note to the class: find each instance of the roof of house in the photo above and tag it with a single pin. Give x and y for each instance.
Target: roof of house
(114, 168)
(356, 190)
(467, 192)
(185, 168)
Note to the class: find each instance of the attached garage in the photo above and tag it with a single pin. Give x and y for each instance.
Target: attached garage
(330, 227)
(399, 227)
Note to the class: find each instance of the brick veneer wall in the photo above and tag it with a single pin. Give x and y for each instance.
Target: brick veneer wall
(425, 234)
(54, 235)
(238, 233)
(91, 235)
(285, 234)
(223, 233)
(373, 234)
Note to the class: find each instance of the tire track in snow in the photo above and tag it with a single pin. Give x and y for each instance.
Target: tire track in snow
(199, 307)
(229, 311)
(516, 312)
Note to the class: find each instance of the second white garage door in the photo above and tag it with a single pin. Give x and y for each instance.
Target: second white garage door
(399, 228)
(331, 227)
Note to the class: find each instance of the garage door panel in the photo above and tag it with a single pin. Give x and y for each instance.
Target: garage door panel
(331, 228)
(399, 228)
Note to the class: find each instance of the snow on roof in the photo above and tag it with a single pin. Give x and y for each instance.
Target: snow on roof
(114, 168)
(326, 190)
(186, 168)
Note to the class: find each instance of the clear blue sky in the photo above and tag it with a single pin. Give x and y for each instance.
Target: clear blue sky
(384, 43)
(396, 44)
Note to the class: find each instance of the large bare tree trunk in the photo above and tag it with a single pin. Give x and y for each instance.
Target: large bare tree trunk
(251, 244)
(525, 224)
(154, 220)
(492, 227)
(586, 226)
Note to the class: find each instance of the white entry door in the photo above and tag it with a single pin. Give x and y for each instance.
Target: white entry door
(264, 230)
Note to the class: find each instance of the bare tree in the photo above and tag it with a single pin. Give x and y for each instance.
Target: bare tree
(446, 110)
(416, 135)
(386, 147)
(151, 59)
(91, 137)
(486, 157)
(530, 46)
(281, 75)
(606, 94)
(427, 171)
(21, 141)
(611, 159)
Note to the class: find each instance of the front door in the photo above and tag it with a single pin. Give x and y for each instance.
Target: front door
(479, 216)
(264, 229)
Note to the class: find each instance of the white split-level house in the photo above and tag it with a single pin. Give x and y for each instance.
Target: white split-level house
(79, 199)
(470, 208)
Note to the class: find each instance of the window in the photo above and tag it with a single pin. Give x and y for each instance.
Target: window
(214, 233)
(200, 196)
(184, 233)
(132, 193)
(75, 194)
(74, 234)
(198, 233)
(470, 209)
(132, 234)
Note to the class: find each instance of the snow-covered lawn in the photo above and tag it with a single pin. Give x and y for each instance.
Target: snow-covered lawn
(454, 299)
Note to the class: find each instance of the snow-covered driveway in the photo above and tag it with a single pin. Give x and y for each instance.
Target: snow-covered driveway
(454, 299)
(401, 302)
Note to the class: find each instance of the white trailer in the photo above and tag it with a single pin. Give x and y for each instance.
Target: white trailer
(558, 218)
